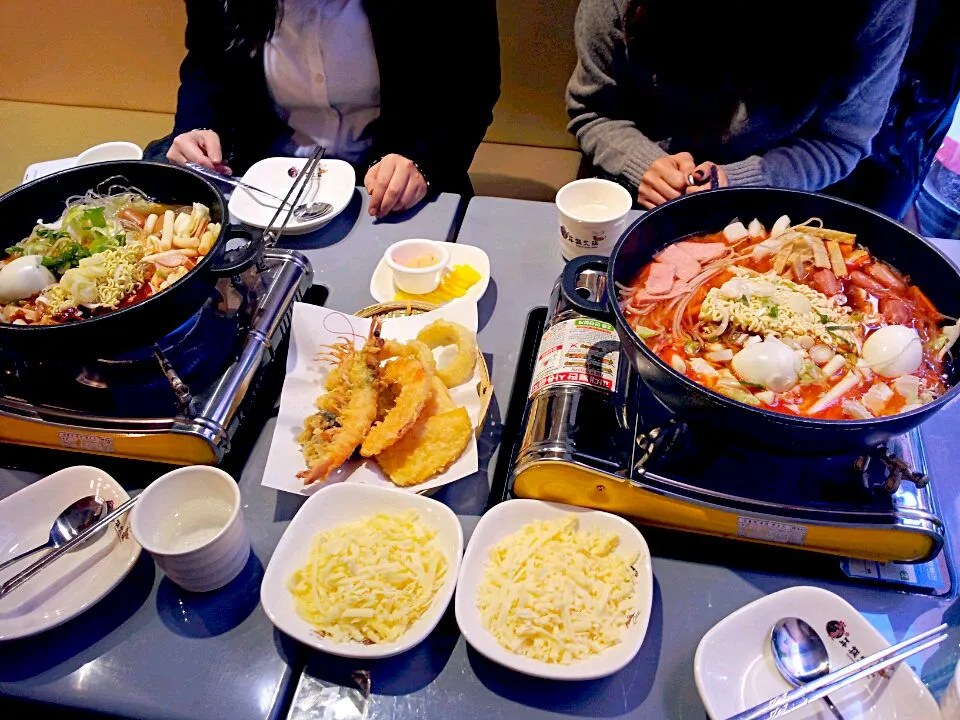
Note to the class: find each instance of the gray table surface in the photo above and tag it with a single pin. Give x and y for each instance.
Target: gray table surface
(150, 651)
(345, 252)
(445, 678)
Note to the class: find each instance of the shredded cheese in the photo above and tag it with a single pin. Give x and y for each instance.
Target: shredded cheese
(371, 580)
(557, 594)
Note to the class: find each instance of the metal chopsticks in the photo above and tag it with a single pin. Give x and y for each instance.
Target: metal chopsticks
(271, 234)
(220, 177)
(28, 572)
(794, 699)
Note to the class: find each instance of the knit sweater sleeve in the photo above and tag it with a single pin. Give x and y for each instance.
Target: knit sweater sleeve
(595, 102)
(839, 135)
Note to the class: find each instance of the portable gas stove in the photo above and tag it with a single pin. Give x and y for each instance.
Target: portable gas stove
(592, 435)
(178, 401)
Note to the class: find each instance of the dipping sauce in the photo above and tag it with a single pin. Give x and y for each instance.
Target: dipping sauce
(195, 523)
(420, 261)
(417, 264)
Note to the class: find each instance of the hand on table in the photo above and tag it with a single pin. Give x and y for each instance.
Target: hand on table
(394, 184)
(701, 177)
(665, 179)
(201, 147)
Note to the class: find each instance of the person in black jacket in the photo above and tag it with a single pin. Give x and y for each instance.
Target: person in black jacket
(374, 81)
(918, 118)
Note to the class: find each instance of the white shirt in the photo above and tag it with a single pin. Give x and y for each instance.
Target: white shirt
(322, 72)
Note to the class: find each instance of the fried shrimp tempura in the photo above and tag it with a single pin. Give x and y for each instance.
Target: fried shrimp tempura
(414, 349)
(395, 349)
(441, 333)
(413, 379)
(346, 410)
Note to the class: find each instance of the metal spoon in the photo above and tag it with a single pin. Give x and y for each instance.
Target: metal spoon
(312, 211)
(309, 209)
(800, 655)
(70, 523)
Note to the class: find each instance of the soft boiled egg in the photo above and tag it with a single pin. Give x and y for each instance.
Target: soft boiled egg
(23, 278)
(893, 350)
(770, 363)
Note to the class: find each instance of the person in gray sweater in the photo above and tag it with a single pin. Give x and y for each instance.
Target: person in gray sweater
(774, 94)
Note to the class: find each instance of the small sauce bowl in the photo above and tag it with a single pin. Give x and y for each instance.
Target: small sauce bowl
(404, 257)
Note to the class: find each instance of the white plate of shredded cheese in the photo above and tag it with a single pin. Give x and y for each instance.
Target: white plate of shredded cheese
(555, 591)
(373, 567)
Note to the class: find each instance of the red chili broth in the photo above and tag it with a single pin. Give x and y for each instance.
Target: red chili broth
(925, 319)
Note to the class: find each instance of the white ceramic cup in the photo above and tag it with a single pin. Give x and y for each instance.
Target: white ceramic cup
(950, 702)
(109, 151)
(417, 280)
(593, 214)
(189, 520)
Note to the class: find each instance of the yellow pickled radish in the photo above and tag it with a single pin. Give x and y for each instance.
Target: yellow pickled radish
(453, 285)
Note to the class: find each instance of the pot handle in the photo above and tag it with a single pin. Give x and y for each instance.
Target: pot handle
(233, 257)
(579, 297)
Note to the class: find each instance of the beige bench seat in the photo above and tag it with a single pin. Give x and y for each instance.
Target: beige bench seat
(37, 131)
(60, 96)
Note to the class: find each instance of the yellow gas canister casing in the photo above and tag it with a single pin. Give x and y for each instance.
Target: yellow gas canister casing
(915, 540)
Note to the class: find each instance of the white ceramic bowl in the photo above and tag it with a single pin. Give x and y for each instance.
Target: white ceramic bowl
(950, 702)
(593, 213)
(417, 280)
(505, 519)
(190, 521)
(109, 151)
(336, 505)
(734, 667)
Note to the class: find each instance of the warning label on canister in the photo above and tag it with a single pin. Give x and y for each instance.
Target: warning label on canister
(85, 441)
(581, 351)
(771, 531)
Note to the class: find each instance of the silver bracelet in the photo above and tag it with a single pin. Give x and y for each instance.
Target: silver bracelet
(419, 169)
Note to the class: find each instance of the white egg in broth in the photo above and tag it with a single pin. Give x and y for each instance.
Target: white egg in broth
(893, 350)
(23, 278)
(770, 363)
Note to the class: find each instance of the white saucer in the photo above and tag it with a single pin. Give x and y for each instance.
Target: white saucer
(47, 167)
(383, 289)
(734, 667)
(337, 185)
(80, 578)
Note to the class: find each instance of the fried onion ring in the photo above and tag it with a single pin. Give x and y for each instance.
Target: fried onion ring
(414, 382)
(442, 333)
